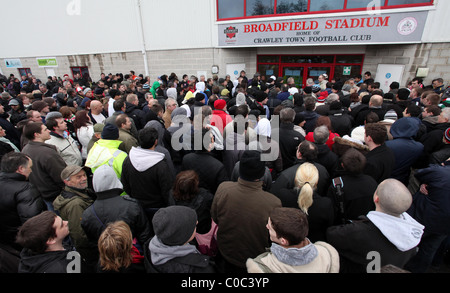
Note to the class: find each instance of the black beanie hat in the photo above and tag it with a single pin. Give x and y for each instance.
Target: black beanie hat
(174, 225)
(251, 167)
(200, 97)
(110, 131)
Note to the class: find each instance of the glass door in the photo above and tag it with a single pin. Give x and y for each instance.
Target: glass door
(315, 72)
(296, 72)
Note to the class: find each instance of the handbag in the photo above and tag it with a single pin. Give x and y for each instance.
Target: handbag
(207, 243)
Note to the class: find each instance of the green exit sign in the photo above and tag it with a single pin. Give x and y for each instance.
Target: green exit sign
(47, 62)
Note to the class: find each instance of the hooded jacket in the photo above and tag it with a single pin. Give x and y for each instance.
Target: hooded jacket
(394, 238)
(49, 262)
(154, 87)
(160, 258)
(147, 177)
(110, 206)
(406, 149)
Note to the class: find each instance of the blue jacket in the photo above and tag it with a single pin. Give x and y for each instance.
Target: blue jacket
(433, 210)
(406, 149)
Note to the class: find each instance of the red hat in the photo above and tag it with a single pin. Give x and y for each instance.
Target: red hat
(322, 97)
(220, 104)
(447, 135)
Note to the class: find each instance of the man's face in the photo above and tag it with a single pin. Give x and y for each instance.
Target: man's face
(46, 110)
(272, 233)
(62, 125)
(15, 107)
(96, 108)
(36, 117)
(441, 118)
(45, 133)
(172, 106)
(2, 109)
(415, 83)
(61, 228)
(366, 138)
(127, 125)
(436, 84)
(78, 180)
(26, 170)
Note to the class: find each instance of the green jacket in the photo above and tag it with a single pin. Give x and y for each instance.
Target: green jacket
(106, 151)
(154, 87)
(71, 204)
(128, 140)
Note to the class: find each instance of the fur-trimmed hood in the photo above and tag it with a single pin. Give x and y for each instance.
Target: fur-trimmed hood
(342, 144)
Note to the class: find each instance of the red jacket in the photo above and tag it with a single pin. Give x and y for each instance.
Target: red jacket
(220, 119)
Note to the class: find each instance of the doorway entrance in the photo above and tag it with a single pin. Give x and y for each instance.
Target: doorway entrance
(302, 67)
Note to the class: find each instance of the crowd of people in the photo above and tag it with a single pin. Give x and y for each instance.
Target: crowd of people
(134, 175)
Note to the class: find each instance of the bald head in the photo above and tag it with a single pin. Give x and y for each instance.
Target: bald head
(392, 197)
(96, 107)
(376, 101)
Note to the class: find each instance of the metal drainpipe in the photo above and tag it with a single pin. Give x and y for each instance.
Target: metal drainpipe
(144, 50)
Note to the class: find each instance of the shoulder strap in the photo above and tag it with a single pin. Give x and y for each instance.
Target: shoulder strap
(338, 185)
(95, 214)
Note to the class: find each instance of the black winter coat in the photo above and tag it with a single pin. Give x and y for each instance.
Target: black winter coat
(320, 213)
(289, 139)
(211, 171)
(19, 201)
(287, 178)
(354, 241)
(380, 163)
(109, 207)
(151, 187)
(201, 203)
(358, 195)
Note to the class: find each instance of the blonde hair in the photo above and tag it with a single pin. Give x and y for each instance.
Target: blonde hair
(306, 179)
(114, 245)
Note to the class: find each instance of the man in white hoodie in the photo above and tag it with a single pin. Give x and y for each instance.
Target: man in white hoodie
(385, 236)
(146, 176)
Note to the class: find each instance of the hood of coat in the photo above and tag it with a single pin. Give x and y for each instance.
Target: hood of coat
(143, 159)
(404, 232)
(68, 195)
(105, 178)
(37, 263)
(405, 128)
